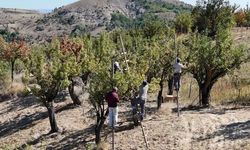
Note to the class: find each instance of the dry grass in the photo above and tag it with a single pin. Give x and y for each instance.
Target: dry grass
(16, 88)
(102, 146)
(242, 36)
(189, 90)
(224, 90)
(13, 90)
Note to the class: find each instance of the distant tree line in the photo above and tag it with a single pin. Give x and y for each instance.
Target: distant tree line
(242, 17)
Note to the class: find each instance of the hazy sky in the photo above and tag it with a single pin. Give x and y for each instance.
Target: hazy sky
(51, 4)
(34, 4)
(242, 3)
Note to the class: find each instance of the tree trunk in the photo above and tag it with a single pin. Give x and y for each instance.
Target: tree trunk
(74, 97)
(99, 124)
(85, 77)
(170, 86)
(205, 91)
(52, 119)
(12, 70)
(98, 130)
(160, 97)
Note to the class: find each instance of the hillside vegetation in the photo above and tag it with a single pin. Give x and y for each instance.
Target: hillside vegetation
(84, 16)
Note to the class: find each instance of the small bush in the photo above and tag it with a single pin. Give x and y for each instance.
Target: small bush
(16, 88)
(4, 75)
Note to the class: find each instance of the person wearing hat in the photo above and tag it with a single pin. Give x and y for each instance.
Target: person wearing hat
(178, 66)
(143, 92)
(112, 99)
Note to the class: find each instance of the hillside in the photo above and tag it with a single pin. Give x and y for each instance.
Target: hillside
(18, 20)
(83, 16)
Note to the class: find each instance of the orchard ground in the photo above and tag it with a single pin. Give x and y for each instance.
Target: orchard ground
(24, 122)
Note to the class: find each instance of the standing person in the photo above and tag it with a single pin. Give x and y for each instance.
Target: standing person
(177, 73)
(112, 98)
(143, 94)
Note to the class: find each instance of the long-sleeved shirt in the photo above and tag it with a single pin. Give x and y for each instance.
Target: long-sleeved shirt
(143, 92)
(178, 67)
(112, 99)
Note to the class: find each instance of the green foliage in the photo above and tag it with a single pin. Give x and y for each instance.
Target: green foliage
(242, 18)
(119, 20)
(212, 15)
(247, 18)
(147, 25)
(148, 13)
(50, 71)
(147, 19)
(216, 56)
(211, 59)
(9, 36)
(19, 66)
(147, 57)
(212, 53)
(4, 71)
(13, 51)
(104, 51)
(67, 21)
(159, 6)
(80, 30)
(148, 51)
(153, 27)
(183, 23)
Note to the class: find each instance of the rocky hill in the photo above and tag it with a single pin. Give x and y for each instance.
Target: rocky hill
(83, 16)
(17, 19)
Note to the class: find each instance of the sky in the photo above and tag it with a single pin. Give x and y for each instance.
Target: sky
(51, 4)
(34, 4)
(241, 3)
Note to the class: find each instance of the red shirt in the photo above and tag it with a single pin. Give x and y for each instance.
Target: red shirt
(112, 99)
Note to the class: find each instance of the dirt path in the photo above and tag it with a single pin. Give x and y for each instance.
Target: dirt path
(24, 124)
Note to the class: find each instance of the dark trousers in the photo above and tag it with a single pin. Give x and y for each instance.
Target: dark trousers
(177, 81)
(142, 105)
(141, 102)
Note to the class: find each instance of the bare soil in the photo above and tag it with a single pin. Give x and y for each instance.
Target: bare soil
(24, 124)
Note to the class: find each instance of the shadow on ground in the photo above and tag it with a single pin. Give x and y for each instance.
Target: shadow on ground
(21, 103)
(201, 110)
(233, 131)
(126, 127)
(211, 109)
(27, 121)
(78, 139)
(151, 110)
